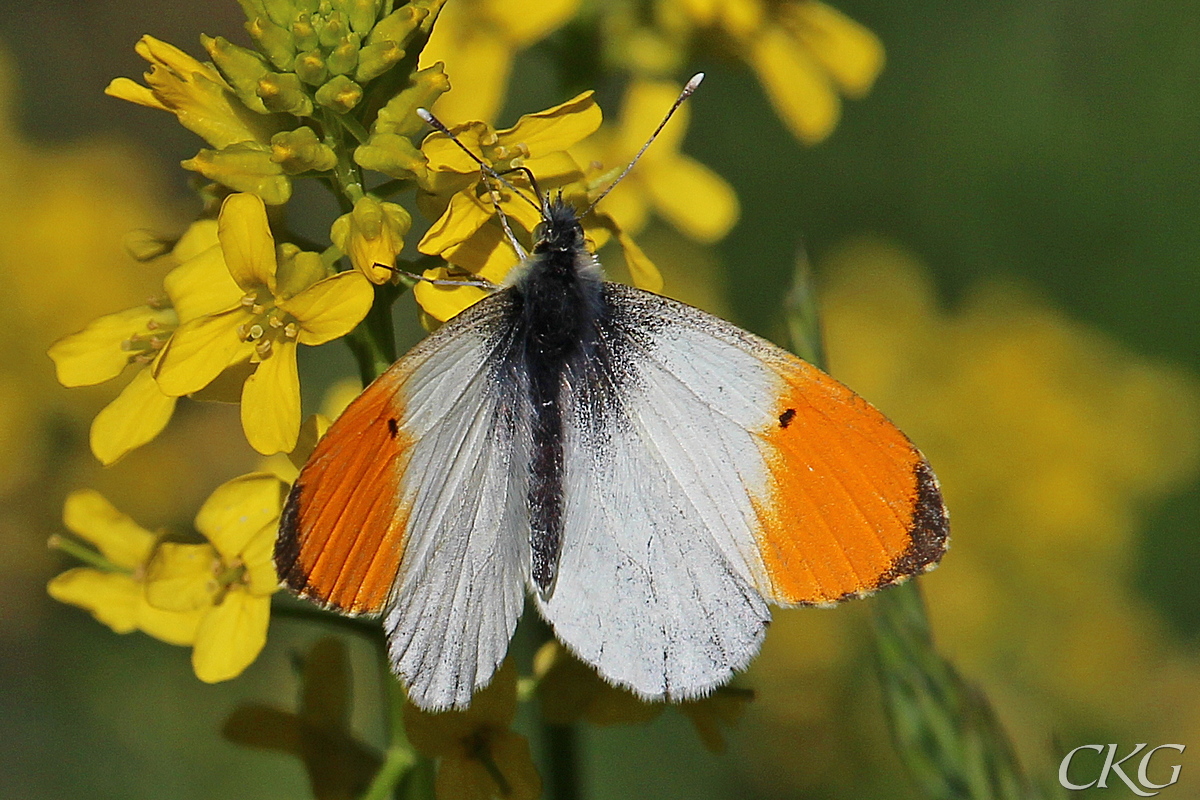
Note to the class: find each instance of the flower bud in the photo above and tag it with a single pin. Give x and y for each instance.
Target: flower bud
(311, 68)
(244, 167)
(399, 25)
(373, 233)
(300, 151)
(344, 57)
(376, 59)
(241, 67)
(340, 94)
(304, 34)
(283, 92)
(394, 156)
(362, 14)
(273, 40)
(334, 29)
(399, 116)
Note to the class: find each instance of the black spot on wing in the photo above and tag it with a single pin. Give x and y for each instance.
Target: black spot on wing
(786, 417)
(393, 427)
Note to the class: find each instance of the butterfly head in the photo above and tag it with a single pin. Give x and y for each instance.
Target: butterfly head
(560, 230)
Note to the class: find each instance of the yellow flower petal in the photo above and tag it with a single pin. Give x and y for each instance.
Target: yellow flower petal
(259, 557)
(137, 415)
(692, 197)
(172, 627)
(444, 302)
(440, 734)
(487, 253)
(534, 21)
(271, 400)
(199, 236)
(182, 577)
(298, 271)
(134, 92)
(797, 85)
(122, 541)
(231, 636)
(465, 777)
(95, 355)
(238, 509)
(199, 351)
(476, 60)
(641, 269)
(372, 234)
(556, 128)
(465, 215)
(246, 241)
(202, 285)
(641, 112)
(848, 51)
(330, 308)
(111, 597)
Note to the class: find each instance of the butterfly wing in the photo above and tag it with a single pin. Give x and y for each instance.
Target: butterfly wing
(708, 471)
(413, 504)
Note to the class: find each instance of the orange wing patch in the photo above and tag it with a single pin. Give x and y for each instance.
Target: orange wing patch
(342, 530)
(852, 505)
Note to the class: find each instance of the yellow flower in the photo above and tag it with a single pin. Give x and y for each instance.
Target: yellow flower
(372, 234)
(477, 40)
(286, 299)
(196, 94)
(456, 194)
(229, 580)
(114, 590)
(686, 193)
(102, 350)
(479, 757)
(805, 52)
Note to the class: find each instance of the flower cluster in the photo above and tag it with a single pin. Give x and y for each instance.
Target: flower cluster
(214, 596)
(806, 54)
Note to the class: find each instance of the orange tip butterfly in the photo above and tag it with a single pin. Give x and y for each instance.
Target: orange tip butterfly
(652, 475)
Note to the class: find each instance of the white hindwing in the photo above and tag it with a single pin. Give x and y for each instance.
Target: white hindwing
(461, 584)
(656, 584)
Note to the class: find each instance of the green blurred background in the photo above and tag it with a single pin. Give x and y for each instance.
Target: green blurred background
(1033, 160)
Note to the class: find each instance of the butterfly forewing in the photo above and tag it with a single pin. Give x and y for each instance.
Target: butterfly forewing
(442, 517)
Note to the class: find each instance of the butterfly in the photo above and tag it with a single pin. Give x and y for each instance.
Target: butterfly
(652, 475)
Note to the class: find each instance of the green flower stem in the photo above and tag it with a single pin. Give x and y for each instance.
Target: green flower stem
(943, 727)
(399, 758)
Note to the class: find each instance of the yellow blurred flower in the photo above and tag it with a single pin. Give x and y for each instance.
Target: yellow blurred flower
(689, 195)
(287, 298)
(102, 350)
(806, 54)
(477, 40)
(196, 94)
(1049, 440)
(229, 580)
(479, 756)
(114, 590)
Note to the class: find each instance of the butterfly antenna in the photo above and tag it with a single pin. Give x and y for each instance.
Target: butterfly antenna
(688, 89)
(440, 126)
